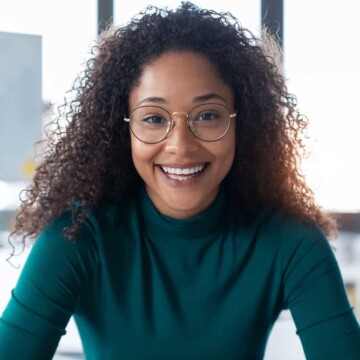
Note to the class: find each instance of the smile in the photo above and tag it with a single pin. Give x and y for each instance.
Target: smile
(184, 175)
(184, 171)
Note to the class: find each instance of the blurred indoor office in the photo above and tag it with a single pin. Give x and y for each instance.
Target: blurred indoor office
(44, 43)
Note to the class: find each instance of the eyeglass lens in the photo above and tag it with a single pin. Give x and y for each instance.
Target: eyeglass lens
(151, 124)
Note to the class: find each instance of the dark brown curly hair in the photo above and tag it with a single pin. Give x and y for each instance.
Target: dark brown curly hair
(88, 160)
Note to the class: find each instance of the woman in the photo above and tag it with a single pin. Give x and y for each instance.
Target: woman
(171, 216)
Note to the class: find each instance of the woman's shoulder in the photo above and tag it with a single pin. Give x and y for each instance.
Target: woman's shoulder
(274, 220)
(107, 213)
(112, 210)
(287, 225)
(277, 229)
(295, 238)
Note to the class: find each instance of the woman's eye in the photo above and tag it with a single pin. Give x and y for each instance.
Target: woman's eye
(208, 116)
(153, 119)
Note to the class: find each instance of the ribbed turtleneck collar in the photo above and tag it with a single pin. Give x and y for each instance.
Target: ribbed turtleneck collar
(201, 226)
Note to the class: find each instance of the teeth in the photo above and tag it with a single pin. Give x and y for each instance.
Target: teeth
(186, 171)
(178, 178)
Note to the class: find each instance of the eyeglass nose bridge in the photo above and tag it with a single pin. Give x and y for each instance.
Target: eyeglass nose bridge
(177, 113)
(180, 113)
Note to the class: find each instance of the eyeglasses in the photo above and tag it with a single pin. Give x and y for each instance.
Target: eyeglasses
(152, 124)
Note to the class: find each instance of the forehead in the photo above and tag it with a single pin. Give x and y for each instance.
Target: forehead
(179, 77)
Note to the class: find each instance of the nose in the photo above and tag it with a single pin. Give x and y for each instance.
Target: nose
(181, 141)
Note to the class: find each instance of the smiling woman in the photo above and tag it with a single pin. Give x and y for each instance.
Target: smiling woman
(183, 173)
(170, 215)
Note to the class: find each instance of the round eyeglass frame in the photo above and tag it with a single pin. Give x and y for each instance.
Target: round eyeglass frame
(171, 123)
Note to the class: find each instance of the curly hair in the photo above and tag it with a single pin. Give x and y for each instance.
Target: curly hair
(89, 160)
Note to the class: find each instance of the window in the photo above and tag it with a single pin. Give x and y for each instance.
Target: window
(322, 54)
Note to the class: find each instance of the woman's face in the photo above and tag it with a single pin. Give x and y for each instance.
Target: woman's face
(177, 82)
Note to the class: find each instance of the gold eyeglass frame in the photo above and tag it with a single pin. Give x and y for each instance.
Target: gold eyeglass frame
(171, 123)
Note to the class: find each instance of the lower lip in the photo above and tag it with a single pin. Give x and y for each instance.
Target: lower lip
(189, 181)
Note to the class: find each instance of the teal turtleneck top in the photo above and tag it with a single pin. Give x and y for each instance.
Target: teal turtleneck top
(143, 286)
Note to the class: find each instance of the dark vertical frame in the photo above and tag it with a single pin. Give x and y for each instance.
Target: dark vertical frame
(105, 14)
(272, 16)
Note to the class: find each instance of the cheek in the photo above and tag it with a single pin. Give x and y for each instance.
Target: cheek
(227, 151)
(142, 155)
(231, 143)
(138, 153)
(228, 159)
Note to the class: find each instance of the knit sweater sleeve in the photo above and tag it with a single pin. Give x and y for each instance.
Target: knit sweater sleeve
(315, 294)
(51, 285)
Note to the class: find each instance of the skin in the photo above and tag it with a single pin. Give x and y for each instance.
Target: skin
(175, 81)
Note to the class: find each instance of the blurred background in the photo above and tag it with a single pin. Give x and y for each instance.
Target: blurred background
(43, 45)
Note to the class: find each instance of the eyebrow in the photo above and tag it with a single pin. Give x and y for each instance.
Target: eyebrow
(197, 99)
(209, 96)
(154, 99)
